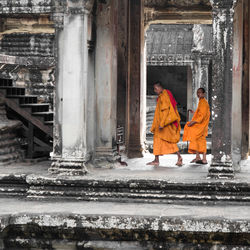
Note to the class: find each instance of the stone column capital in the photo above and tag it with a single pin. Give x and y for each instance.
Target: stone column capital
(58, 20)
(225, 4)
(79, 6)
(74, 6)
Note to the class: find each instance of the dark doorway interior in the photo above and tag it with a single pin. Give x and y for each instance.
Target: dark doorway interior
(173, 78)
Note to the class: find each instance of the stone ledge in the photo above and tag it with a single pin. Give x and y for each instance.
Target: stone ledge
(146, 223)
(91, 188)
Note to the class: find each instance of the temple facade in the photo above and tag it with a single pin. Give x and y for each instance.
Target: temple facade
(83, 65)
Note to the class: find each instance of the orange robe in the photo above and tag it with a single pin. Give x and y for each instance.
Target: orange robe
(165, 140)
(197, 133)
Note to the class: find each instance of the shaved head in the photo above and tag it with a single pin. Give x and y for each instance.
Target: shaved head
(158, 84)
(158, 88)
(203, 90)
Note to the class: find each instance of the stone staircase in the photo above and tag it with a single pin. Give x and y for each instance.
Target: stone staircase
(36, 119)
(10, 150)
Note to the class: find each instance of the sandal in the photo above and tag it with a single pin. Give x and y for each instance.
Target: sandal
(195, 160)
(201, 162)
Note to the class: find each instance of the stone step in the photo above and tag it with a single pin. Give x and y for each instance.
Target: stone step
(13, 185)
(37, 107)
(7, 150)
(27, 99)
(49, 123)
(125, 226)
(7, 159)
(10, 90)
(48, 116)
(147, 191)
(8, 143)
(6, 82)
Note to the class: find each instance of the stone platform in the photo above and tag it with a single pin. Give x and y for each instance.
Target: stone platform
(135, 183)
(133, 207)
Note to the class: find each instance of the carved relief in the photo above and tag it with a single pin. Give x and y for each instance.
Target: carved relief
(198, 37)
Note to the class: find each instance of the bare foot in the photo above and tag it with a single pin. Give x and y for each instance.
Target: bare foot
(179, 162)
(154, 163)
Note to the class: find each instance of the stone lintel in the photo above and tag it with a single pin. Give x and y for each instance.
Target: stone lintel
(68, 166)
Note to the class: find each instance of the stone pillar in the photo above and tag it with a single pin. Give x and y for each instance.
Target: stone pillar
(245, 82)
(122, 51)
(222, 165)
(135, 109)
(189, 90)
(200, 71)
(237, 86)
(106, 84)
(70, 148)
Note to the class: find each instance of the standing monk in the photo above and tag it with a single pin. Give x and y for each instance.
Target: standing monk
(166, 125)
(196, 130)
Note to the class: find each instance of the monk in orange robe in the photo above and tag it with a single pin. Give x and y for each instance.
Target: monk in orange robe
(196, 130)
(166, 125)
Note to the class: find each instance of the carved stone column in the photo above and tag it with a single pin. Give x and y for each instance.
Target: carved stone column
(135, 111)
(70, 144)
(106, 84)
(222, 165)
(245, 82)
(200, 70)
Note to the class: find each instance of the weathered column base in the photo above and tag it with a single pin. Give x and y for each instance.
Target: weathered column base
(221, 170)
(135, 152)
(68, 166)
(106, 158)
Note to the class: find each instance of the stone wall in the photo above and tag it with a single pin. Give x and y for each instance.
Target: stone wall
(31, 37)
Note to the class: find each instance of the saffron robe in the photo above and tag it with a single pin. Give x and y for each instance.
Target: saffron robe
(165, 139)
(197, 133)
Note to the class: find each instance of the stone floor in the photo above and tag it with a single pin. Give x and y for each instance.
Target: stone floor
(136, 169)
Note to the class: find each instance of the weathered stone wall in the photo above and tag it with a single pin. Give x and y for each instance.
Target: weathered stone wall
(24, 6)
(26, 44)
(174, 43)
(31, 37)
